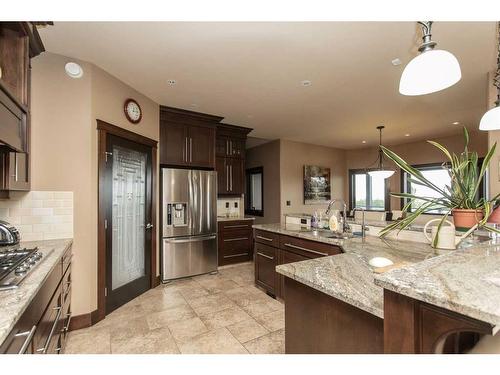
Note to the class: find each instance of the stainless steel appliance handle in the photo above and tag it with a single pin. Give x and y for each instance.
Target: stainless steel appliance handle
(190, 239)
(236, 239)
(190, 149)
(265, 256)
(264, 238)
(52, 330)
(29, 335)
(304, 249)
(236, 226)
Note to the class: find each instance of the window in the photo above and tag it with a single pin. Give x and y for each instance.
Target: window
(439, 176)
(255, 191)
(370, 193)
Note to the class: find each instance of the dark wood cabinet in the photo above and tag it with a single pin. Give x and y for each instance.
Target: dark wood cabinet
(187, 138)
(266, 260)
(230, 152)
(43, 327)
(19, 42)
(235, 243)
(287, 250)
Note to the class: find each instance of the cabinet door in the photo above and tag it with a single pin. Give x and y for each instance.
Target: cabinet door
(265, 267)
(18, 173)
(236, 147)
(173, 143)
(287, 257)
(236, 177)
(201, 147)
(221, 146)
(222, 176)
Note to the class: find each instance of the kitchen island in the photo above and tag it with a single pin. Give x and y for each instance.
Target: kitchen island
(337, 304)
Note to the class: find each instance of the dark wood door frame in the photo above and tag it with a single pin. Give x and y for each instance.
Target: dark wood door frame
(105, 129)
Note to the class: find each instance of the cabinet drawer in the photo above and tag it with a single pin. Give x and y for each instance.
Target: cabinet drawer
(308, 249)
(267, 238)
(49, 327)
(265, 267)
(232, 225)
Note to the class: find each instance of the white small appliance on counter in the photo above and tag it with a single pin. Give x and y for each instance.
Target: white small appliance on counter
(303, 220)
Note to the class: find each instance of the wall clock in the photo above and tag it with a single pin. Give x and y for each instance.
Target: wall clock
(133, 111)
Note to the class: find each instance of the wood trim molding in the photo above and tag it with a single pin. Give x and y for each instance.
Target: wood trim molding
(104, 129)
(166, 111)
(83, 321)
(124, 133)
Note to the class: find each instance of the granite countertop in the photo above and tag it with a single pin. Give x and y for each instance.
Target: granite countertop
(466, 281)
(14, 302)
(348, 276)
(223, 218)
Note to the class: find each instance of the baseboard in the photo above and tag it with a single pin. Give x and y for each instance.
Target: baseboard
(83, 320)
(156, 282)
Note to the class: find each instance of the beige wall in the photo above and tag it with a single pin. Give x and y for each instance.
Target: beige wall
(414, 153)
(64, 150)
(268, 157)
(293, 157)
(493, 136)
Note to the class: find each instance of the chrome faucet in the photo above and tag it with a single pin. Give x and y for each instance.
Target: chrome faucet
(345, 226)
(363, 226)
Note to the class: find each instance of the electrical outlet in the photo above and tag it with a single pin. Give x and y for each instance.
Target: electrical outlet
(288, 203)
(235, 204)
(227, 204)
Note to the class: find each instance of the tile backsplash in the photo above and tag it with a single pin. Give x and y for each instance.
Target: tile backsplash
(40, 215)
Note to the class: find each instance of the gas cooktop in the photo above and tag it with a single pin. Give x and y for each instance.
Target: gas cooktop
(15, 264)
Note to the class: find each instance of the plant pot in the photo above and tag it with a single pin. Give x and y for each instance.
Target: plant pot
(464, 219)
(495, 216)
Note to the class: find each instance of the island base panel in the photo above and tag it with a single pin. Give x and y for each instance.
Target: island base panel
(316, 323)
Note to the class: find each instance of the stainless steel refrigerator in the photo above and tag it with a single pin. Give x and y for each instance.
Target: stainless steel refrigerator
(189, 209)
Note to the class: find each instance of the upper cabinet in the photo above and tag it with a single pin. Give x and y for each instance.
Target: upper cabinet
(19, 42)
(230, 150)
(187, 138)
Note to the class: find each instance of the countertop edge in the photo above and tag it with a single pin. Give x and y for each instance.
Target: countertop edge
(7, 328)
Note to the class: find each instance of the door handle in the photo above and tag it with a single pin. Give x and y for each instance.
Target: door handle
(231, 181)
(149, 226)
(186, 149)
(190, 149)
(227, 177)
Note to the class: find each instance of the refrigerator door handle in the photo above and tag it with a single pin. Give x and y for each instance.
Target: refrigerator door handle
(190, 239)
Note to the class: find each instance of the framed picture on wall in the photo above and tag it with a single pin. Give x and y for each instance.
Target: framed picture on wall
(316, 184)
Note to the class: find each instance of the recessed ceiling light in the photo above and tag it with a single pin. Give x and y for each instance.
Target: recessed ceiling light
(306, 82)
(171, 82)
(456, 123)
(407, 135)
(194, 105)
(396, 62)
(73, 70)
(363, 142)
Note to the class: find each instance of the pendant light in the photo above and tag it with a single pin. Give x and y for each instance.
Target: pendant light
(381, 172)
(491, 119)
(432, 70)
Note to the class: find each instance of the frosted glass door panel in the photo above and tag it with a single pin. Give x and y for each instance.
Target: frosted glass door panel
(128, 216)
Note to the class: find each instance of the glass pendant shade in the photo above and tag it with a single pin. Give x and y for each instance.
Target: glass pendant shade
(431, 71)
(491, 120)
(381, 173)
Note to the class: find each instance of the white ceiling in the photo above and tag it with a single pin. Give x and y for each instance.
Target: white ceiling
(250, 73)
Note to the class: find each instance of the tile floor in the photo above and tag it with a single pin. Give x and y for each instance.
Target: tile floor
(208, 314)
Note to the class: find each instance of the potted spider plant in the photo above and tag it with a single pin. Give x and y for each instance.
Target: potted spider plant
(460, 199)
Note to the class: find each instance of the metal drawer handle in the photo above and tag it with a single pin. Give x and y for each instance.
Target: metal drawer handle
(52, 330)
(66, 328)
(264, 238)
(236, 239)
(29, 335)
(235, 255)
(304, 249)
(236, 226)
(265, 256)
